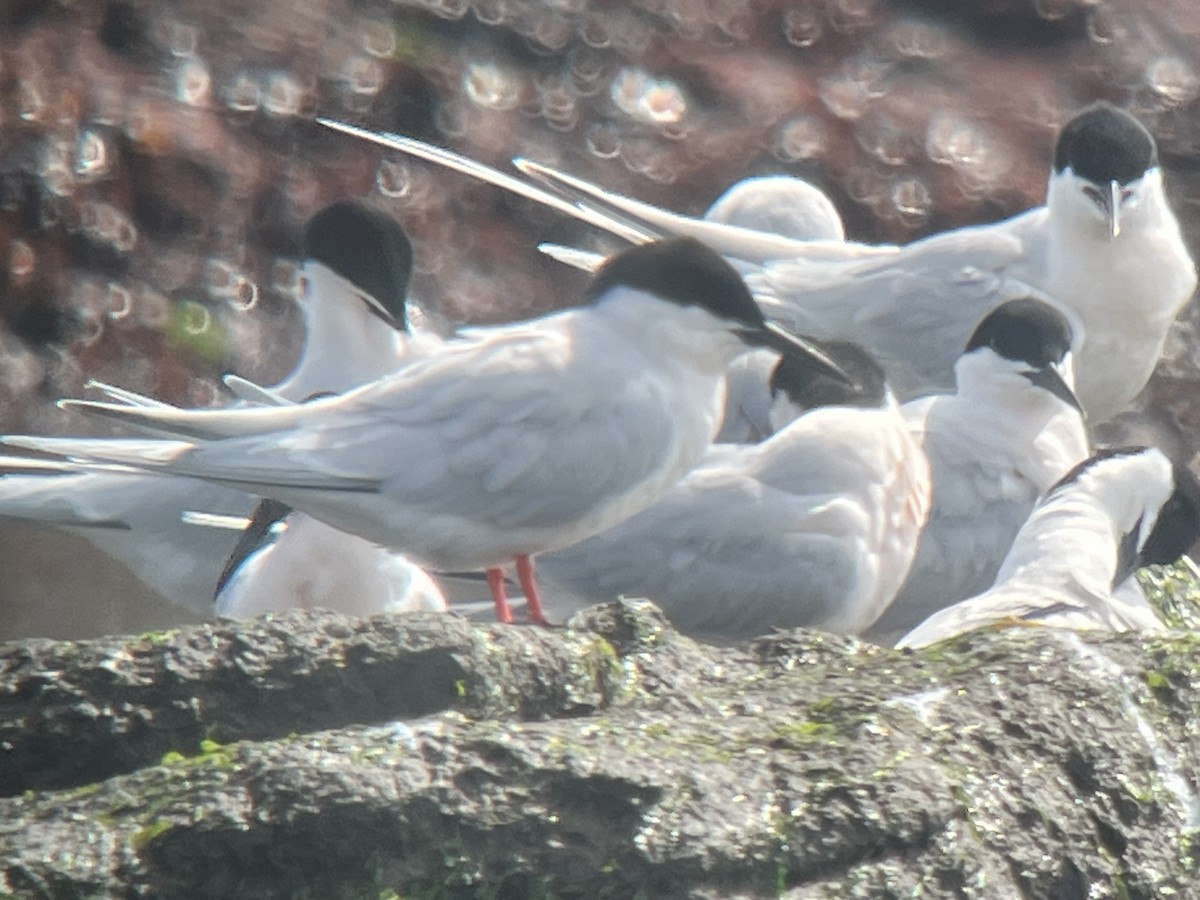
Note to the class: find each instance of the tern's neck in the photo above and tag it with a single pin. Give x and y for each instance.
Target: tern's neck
(1032, 428)
(997, 393)
(346, 344)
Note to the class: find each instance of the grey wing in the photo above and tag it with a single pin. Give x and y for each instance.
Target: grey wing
(550, 466)
(527, 439)
(116, 501)
(542, 448)
(638, 557)
(624, 216)
(408, 422)
(914, 311)
(724, 555)
(978, 506)
(747, 585)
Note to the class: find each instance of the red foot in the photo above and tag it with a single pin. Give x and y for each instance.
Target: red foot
(529, 586)
(495, 579)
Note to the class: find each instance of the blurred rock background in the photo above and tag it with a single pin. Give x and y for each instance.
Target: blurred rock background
(158, 161)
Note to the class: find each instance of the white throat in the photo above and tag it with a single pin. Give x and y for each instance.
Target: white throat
(345, 344)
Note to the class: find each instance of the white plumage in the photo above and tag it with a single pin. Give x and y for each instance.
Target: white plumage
(1118, 511)
(792, 208)
(1106, 245)
(312, 565)
(779, 204)
(911, 310)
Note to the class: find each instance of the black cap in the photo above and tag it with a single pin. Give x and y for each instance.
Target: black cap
(1025, 330)
(366, 247)
(809, 384)
(684, 271)
(1103, 144)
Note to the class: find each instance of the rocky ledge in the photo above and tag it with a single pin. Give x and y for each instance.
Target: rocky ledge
(318, 756)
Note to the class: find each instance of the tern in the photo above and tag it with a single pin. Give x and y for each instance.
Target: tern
(760, 217)
(815, 526)
(355, 278)
(511, 441)
(1106, 245)
(358, 262)
(1120, 510)
(1007, 434)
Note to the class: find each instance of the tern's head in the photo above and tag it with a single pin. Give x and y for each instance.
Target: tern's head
(263, 529)
(1154, 503)
(799, 384)
(779, 204)
(1026, 342)
(1105, 166)
(369, 250)
(688, 275)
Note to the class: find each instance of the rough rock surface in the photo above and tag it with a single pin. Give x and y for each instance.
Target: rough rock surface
(315, 756)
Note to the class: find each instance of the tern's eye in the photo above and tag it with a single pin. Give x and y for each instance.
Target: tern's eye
(1100, 197)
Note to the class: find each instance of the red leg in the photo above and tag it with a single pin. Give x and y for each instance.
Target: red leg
(529, 586)
(495, 579)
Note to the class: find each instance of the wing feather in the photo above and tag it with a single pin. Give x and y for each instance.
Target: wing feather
(729, 240)
(915, 310)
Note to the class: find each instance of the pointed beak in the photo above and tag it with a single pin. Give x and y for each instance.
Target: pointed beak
(780, 339)
(316, 277)
(1051, 379)
(1114, 209)
(380, 311)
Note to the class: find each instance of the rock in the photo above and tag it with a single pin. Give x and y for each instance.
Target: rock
(77, 712)
(318, 756)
